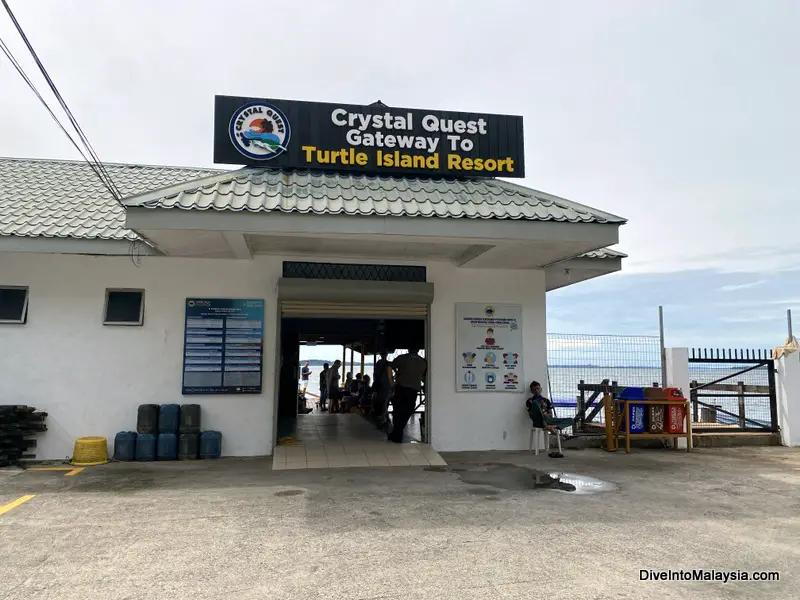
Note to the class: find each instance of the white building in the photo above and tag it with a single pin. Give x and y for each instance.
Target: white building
(199, 233)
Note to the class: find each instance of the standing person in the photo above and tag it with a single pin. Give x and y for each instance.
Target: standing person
(383, 381)
(304, 375)
(410, 370)
(334, 393)
(323, 387)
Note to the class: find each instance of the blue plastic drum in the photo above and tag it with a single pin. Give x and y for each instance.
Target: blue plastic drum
(169, 418)
(146, 446)
(210, 444)
(167, 447)
(125, 446)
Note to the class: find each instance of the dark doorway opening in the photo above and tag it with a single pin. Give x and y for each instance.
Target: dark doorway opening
(356, 342)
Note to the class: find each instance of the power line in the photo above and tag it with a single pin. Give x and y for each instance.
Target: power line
(95, 162)
(28, 81)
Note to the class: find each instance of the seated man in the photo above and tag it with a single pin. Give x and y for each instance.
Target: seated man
(544, 403)
(359, 398)
(540, 410)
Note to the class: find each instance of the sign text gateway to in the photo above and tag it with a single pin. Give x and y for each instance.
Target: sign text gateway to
(373, 139)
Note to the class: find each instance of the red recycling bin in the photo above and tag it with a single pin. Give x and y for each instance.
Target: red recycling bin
(676, 417)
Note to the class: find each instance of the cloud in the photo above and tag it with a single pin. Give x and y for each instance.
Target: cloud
(742, 286)
(752, 318)
(752, 259)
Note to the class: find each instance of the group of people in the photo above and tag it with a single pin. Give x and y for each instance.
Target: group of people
(400, 380)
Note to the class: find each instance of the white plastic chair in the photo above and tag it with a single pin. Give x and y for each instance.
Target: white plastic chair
(535, 444)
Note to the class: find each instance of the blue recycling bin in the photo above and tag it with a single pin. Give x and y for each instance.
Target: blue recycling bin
(636, 412)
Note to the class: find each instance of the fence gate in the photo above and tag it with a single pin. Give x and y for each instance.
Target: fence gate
(733, 390)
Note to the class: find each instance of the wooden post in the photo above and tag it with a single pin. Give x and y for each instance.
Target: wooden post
(582, 406)
(352, 360)
(741, 403)
(695, 405)
(611, 439)
(689, 438)
(344, 363)
(363, 345)
(628, 424)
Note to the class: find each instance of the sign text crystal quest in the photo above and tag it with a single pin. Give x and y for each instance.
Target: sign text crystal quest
(371, 139)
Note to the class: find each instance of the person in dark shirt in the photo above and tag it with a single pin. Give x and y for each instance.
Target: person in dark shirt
(410, 371)
(323, 387)
(355, 385)
(358, 399)
(383, 382)
(544, 404)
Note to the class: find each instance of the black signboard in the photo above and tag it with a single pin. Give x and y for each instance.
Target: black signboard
(223, 346)
(370, 139)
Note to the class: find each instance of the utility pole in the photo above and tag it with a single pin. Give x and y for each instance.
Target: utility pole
(663, 347)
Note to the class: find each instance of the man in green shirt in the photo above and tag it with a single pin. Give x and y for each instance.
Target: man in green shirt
(410, 371)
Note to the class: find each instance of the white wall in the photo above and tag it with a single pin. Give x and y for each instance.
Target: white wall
(91, 378)
(677, 362)
(481, 420)
(787, 382)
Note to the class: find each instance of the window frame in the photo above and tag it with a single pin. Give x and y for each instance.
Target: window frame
(138, 323)
(24, 319)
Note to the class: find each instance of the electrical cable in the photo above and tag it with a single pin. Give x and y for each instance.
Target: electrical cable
(97, 163)
(31, 85)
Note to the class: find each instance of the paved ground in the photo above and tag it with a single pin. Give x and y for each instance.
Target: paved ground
(347, 440)
(486, 526)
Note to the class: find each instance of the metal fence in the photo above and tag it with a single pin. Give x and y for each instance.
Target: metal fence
(732, 390)
(576, 360)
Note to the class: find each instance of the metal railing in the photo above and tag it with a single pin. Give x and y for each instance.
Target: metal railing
(733, 390)
(581, 365)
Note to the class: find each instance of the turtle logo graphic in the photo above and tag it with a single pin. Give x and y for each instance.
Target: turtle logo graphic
(260, 131)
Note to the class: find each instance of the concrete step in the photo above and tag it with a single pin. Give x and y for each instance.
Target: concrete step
(699, 440)
(733, 439)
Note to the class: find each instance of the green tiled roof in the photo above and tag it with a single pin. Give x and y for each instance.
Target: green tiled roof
(267, 190)
(60, 198)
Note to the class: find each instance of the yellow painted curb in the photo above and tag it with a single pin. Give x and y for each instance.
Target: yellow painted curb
(14, 504)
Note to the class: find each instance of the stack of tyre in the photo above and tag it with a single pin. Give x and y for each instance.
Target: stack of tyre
(167, 432)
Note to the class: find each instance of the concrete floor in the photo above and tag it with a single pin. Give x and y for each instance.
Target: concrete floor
(324, 440)
(477, 528)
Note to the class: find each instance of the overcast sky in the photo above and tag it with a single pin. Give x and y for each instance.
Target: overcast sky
(681, 116)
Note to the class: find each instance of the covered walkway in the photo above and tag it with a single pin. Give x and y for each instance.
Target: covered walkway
(324, 440)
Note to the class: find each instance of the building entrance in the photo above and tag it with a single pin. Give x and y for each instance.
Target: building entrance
(346, 425)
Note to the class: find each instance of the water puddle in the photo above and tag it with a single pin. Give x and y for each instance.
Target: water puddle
(582, 484)
(515, 478)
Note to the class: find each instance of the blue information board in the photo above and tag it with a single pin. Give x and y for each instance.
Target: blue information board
(223, 345)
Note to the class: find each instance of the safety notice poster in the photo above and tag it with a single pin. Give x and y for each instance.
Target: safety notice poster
(223, 346)
(489, 348)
